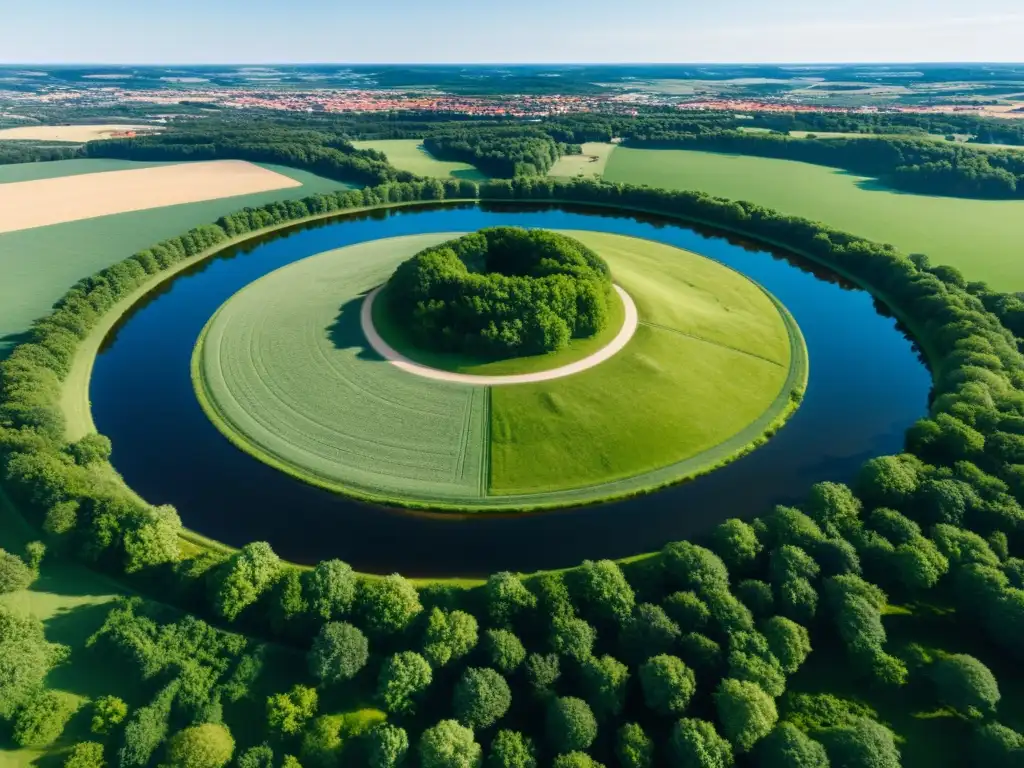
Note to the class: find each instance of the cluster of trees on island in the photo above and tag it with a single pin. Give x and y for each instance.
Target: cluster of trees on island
(501, 292)
(680, 658)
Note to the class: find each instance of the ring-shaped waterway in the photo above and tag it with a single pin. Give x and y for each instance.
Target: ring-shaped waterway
(867, 385)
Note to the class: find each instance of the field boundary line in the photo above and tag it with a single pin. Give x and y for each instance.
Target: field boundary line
(694, 336)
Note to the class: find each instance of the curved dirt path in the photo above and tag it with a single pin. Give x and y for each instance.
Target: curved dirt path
(402, 362)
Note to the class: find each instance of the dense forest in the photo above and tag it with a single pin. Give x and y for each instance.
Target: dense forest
(329, 155)
(682, 658)
(502, 152)
(501, 292)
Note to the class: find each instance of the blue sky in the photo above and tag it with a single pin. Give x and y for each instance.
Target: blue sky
(230, 31)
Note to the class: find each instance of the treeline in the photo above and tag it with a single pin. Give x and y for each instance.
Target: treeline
(30, 152)
(679, 659)
(915, 165)
(981, 129)
(325, 154)
(501, 292)
(502, 152)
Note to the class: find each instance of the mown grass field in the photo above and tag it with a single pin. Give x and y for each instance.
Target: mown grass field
(39, 265)
(711, 356)
(982, 238)
(591, 163)
(398, 337)
(409, 155)
(286, 371)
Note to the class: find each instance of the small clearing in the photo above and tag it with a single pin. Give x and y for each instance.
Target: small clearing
(590, 163)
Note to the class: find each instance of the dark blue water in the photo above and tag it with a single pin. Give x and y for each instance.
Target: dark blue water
(867, 385)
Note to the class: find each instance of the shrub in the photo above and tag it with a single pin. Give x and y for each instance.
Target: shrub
(789, 747)
(449, 636)
(504, 650)
(289, 712)
(330, 589)
(482, 697)
(571, 725)
(41, 721)
(14, 573)
(202, 746)
(85, 754)
(388, 745)
(107, 712)
(746, 712)
(449, 745)
(402, 678)
(966, 684)
(339, 651)
(604, 681)
(507, 598)
(668, 684)
(511, 749)
(633, 747)
(388, 605)
(696, 744)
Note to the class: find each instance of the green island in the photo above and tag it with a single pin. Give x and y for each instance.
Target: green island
(868, 624)
(285, 371)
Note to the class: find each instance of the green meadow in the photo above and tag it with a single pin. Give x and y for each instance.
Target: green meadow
(982, 238)
(705, 331)
(410, 155)
(38, 265)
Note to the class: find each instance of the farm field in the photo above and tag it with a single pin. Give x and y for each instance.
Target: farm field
(290, 378)
(43, 202)
(409, 155)
(698, 320)
(591, 162)
(72, 133)
(980, 237)
(40, 264)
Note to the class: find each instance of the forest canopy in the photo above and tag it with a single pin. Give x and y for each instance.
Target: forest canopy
(502, 292)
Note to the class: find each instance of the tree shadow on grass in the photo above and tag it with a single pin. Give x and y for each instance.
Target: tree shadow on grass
(346, 331)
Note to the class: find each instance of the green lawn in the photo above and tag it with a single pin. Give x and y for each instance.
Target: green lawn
(285, 371)
(396, 336)
(39, 265)
(710, 360)
(980, 237)
(591, 162)
(409, 155)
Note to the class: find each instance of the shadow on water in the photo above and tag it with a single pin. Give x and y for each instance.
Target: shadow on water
(867, 385)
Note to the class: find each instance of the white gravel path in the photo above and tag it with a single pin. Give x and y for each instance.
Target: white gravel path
(399, 360)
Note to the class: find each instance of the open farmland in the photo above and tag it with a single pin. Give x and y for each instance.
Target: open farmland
(39, 264)
(72, 133)
(591, 162)
(410, 155)
(43, 202)
(282, 367)
(980, 237)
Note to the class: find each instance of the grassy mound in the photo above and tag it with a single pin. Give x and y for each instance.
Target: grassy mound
(290, 379)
